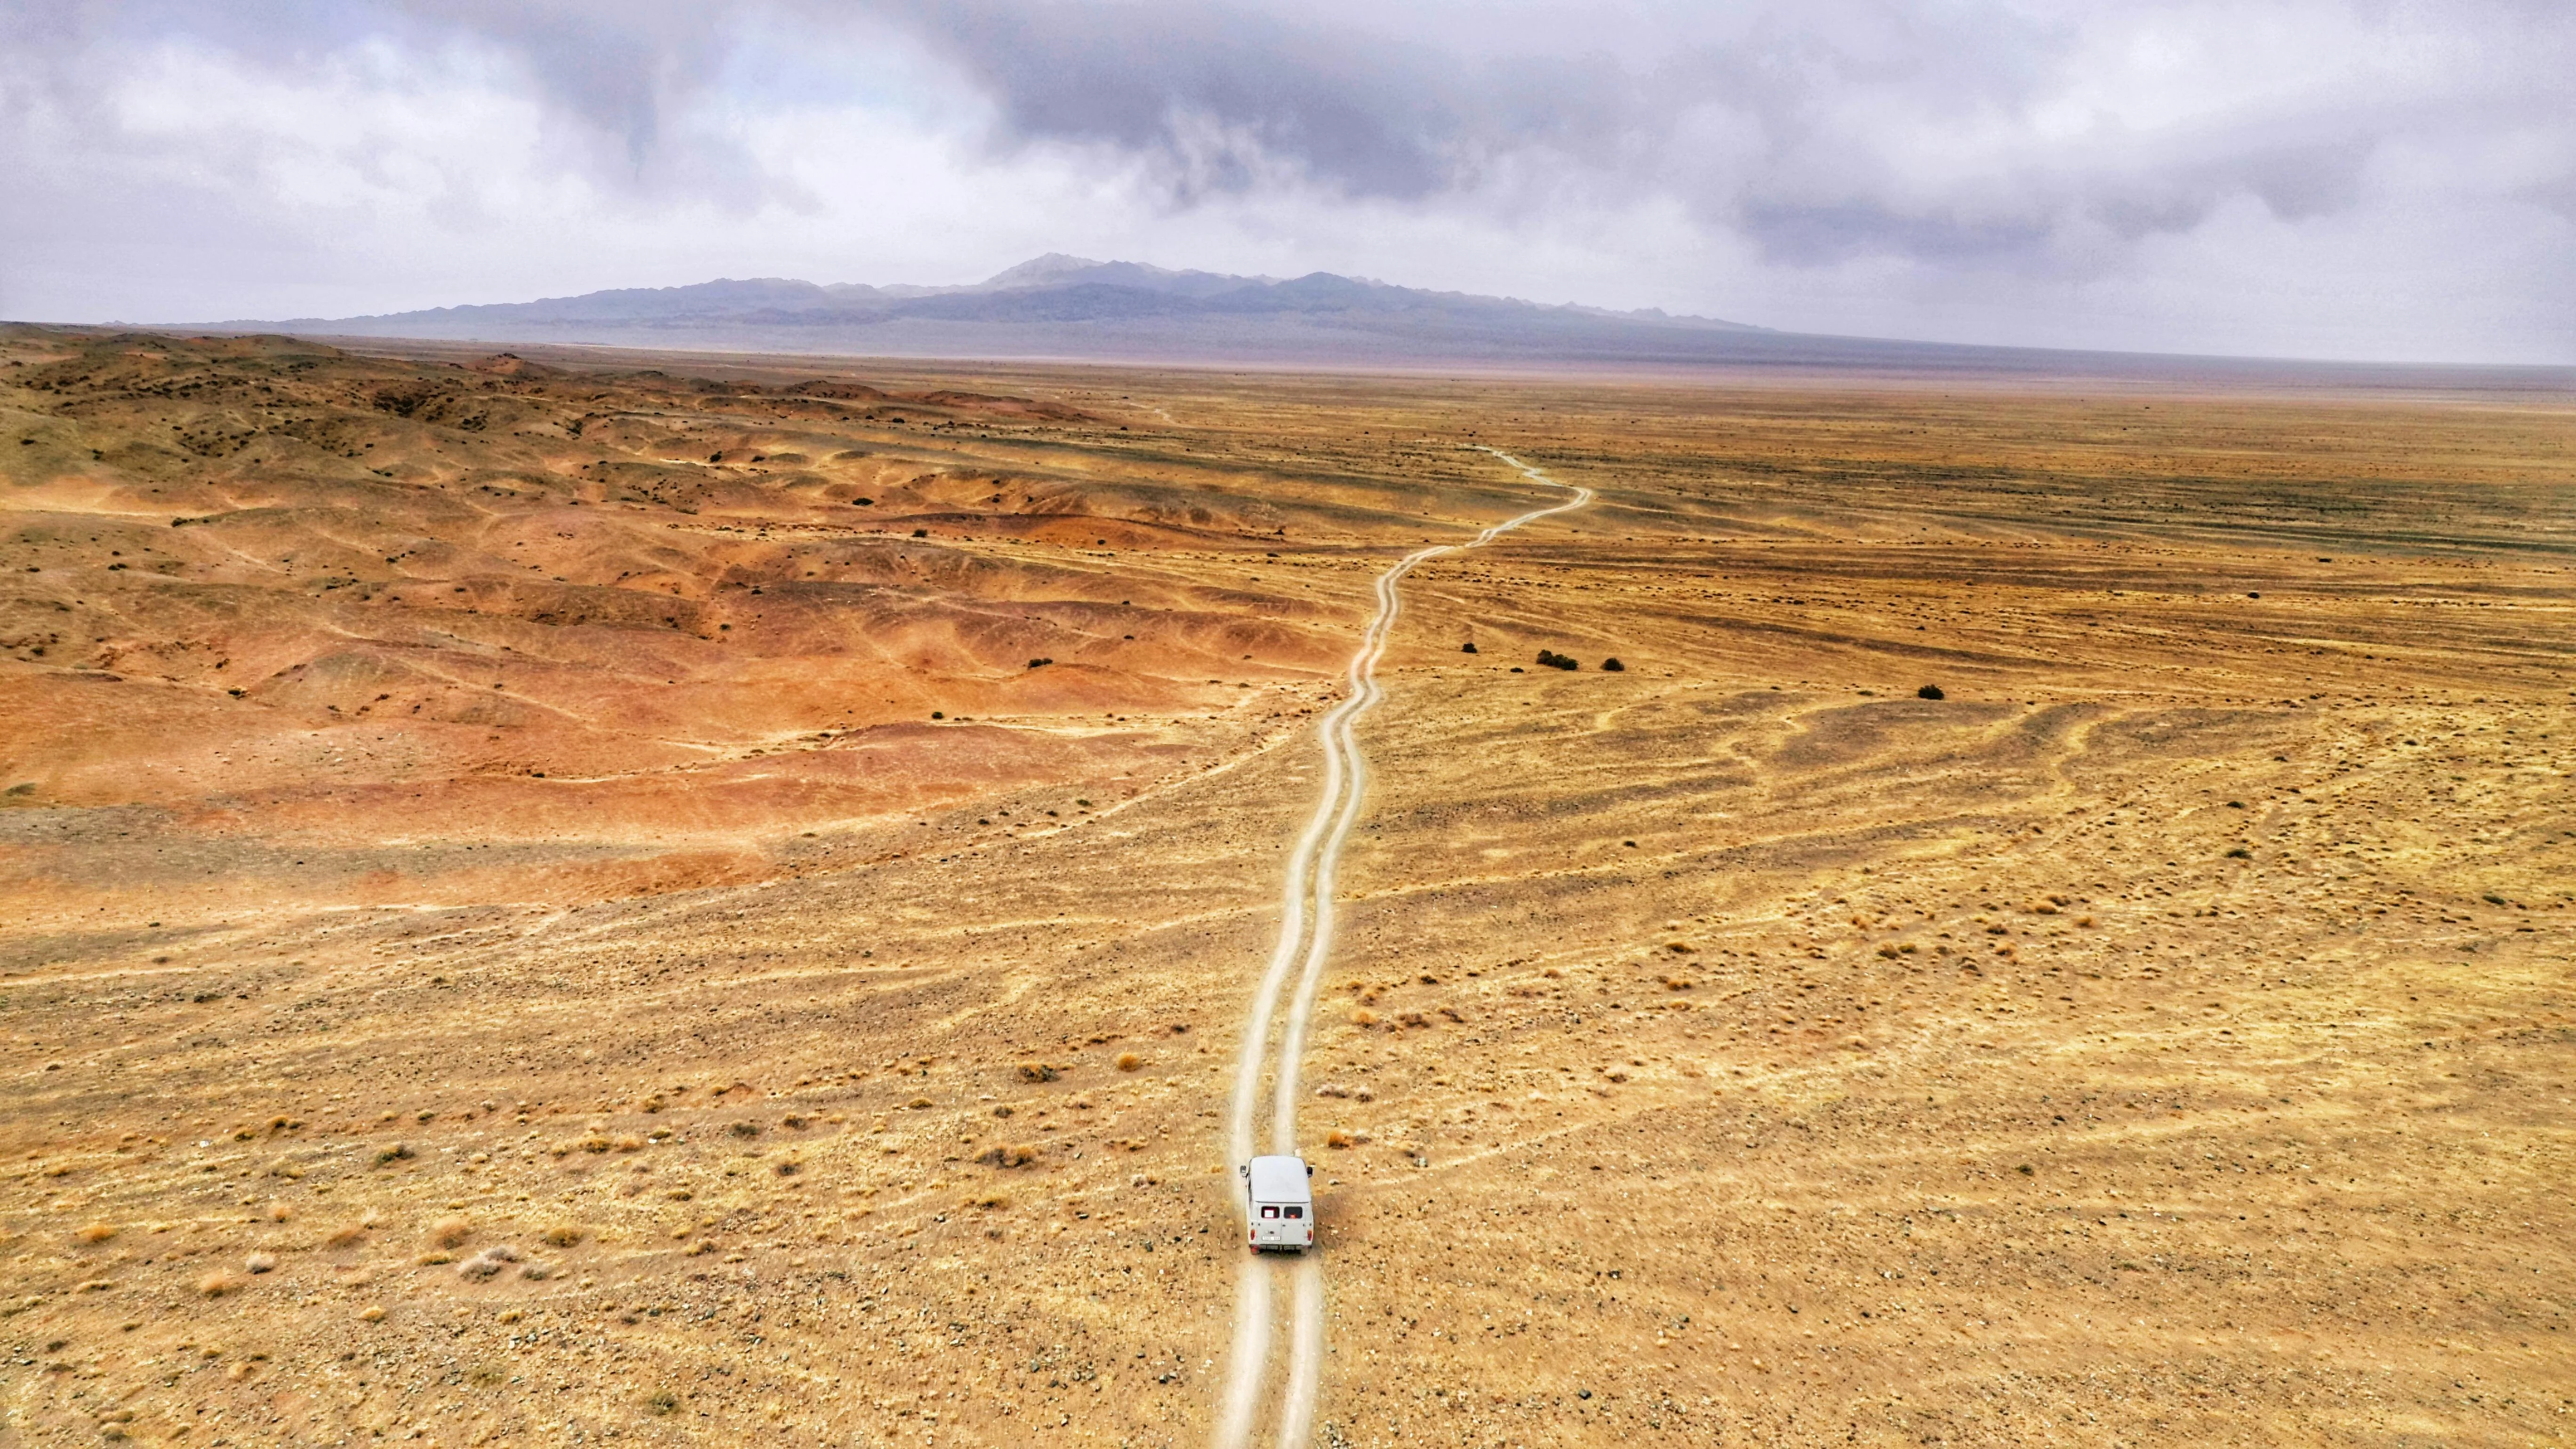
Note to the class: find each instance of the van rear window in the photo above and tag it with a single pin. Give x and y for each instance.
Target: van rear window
(1296, 1212)
(1270, 1212)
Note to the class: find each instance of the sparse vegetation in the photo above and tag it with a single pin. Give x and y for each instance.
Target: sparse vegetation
(821, 932)
(1549, 658)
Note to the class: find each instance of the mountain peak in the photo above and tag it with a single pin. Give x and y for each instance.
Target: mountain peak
(1037, 271)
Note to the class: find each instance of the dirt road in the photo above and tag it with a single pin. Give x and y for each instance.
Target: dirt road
(1305, 945)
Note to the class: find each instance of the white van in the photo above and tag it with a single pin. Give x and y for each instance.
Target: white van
(1279, 1204)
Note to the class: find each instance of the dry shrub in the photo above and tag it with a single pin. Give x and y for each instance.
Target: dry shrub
(392, 1152)
(597, 1142)
(279, 1212)
(219, 1283)
(991, 1200)
(373, 1313)
(1037, 1072)
(96, 1233)
(919, 1103)
(1364, 1019)
(630, 1143)
(448, 1232)
(261, 1263)
(564, 1235)
(487, 1263)
(344, 1235)
(1010, 1154)
(1338, 1139)
(744, 1129)
(1129, 1061)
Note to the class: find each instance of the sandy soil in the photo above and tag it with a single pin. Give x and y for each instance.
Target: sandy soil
(459, 990)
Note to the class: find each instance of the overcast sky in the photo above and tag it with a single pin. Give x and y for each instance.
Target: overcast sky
(2327, 178)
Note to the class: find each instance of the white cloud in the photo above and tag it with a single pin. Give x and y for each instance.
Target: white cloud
(2336, 177)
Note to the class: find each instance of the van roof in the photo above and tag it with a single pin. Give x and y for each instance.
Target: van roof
(1280, 1179)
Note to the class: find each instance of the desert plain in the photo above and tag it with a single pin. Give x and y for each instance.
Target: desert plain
(580, 896)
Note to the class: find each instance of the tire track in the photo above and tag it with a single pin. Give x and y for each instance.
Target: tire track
(1306, 921)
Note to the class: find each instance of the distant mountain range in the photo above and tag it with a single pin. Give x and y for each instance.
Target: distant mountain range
(1063, 308)
(1058, 306)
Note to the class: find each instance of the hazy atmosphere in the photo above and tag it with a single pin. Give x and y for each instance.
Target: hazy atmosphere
(2326, 178)
(1306, 727)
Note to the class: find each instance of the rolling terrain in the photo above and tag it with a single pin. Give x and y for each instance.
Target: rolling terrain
(696, 898)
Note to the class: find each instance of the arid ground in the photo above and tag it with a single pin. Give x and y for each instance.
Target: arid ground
(701, 900)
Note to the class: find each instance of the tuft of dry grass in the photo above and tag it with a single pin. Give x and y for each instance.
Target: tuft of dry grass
(372, 1313)
(1129, 1061)
(488, 1262)
(564, 1235)
(1010, 1154)
(96, 1233)
(1037, 1072)
(261, 1263)
(279, 1212)
(450, 1231)
(219, 1283)
(344, 1235)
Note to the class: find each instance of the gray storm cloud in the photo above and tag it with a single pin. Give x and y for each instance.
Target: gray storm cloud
(1948, 151)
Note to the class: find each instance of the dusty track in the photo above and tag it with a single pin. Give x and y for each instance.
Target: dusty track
(1306, 922)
